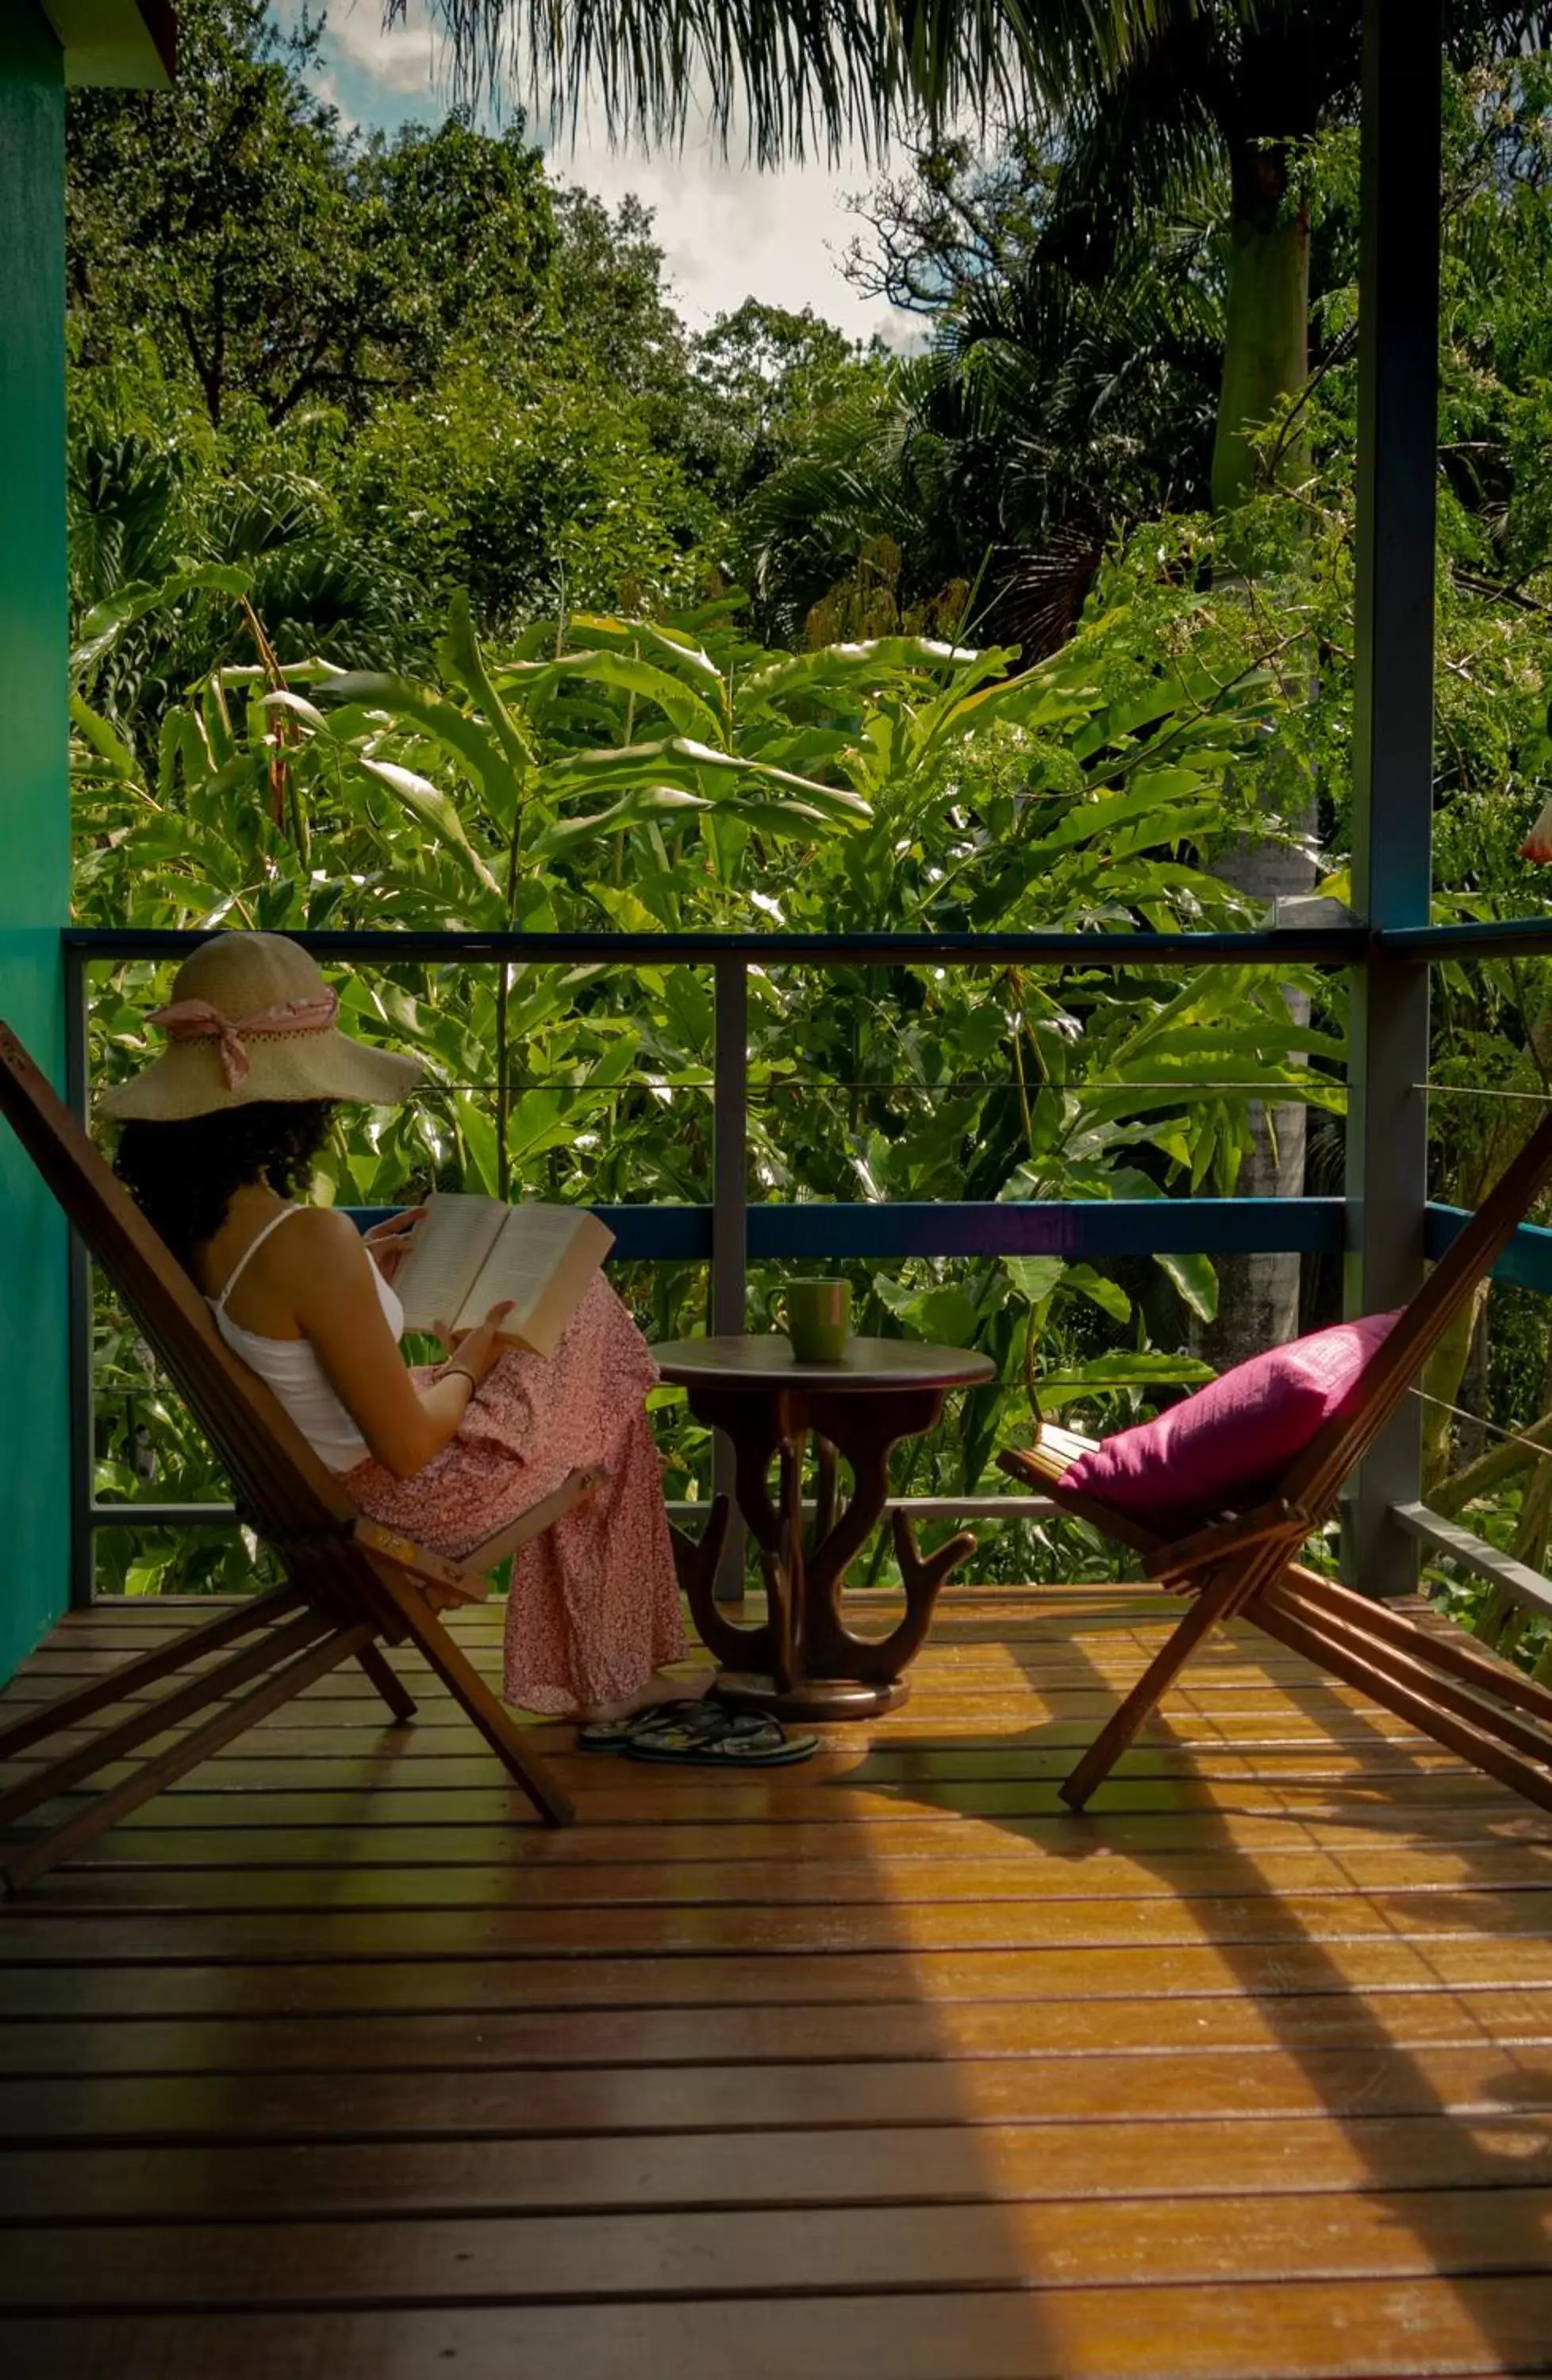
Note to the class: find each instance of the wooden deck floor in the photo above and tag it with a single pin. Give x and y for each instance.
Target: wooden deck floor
(330, 2063)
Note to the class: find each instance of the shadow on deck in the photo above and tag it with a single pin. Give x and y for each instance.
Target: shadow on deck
(886, 2068)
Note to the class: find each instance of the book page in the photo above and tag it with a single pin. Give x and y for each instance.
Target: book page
(542, 1259)
(449, 1248)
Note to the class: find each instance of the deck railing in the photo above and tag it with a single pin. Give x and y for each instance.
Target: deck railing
(730, 1231)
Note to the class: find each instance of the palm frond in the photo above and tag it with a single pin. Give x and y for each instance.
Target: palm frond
(793, 76)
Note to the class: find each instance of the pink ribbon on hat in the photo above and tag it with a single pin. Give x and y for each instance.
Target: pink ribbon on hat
(196, 1020)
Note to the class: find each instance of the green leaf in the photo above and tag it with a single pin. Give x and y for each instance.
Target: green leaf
(1196, 1281)
(1034, 1276)
(948, 1316)
(460, 655)
(360, 691)
(628, 811)
(1109, 1295)
(628, 673)
(105, 623)
(1125, 1369)
(108, 745)
(477, 1127)
(675, 649)
(859, 666)
(282, 699)
(437, 808)
(624, 909)
(1089, 821)
(681, 756)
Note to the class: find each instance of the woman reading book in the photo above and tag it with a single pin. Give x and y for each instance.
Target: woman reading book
(218, 1138)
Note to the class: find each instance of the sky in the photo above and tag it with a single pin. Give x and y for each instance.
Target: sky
(727, 232)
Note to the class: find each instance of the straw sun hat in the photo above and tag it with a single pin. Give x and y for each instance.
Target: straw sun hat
(252, 1018)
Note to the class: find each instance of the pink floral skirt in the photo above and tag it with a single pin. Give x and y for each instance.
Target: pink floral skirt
(594, 1607)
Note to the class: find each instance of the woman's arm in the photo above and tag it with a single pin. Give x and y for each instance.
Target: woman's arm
(334, 1299)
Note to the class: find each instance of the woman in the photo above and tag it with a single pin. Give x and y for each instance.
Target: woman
(218, 1143)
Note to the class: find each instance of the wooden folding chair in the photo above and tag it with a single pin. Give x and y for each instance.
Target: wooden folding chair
(1244, 1562)
(351, 1586)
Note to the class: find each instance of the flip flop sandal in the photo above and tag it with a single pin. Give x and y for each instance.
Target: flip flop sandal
(615, 1735)
(743, 1741)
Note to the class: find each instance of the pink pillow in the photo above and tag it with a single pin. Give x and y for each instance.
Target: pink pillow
(1229, 1446)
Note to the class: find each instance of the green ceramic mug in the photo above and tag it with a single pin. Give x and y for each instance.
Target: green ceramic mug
(816, 1316)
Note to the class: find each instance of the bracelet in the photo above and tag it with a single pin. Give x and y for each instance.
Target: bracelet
(457, 1372)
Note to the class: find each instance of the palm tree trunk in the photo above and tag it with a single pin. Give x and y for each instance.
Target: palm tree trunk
(1265, 362)
(1443, 1379)
(1266, 352)
(1258, 1295)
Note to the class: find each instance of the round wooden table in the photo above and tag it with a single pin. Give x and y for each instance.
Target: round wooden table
(804, 1662)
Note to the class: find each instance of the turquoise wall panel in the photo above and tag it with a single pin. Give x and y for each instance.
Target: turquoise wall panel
(34, 814)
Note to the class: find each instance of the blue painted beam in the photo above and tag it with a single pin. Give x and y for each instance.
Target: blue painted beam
(1263, 946)
(1484, 937)
(1094, 1229)
(1090, 1229)
(1526, 1263)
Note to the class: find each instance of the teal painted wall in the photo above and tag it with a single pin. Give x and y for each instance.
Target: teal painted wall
(34, 813)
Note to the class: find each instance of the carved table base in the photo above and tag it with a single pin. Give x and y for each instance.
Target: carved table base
(803, 1662)
(826, 1700)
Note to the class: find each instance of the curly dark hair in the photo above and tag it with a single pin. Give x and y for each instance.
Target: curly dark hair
(182, 1175)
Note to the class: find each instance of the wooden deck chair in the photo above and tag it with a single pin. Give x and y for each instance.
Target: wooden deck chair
(1431, 1675)
(351, 1586)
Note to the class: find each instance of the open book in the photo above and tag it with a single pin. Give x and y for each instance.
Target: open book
(471, 1253)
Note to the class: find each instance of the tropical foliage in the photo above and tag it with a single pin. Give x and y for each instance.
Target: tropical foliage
(430, 573)
(669, 775)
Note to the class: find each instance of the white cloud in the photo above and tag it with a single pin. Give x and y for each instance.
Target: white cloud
(403, 63)
(729, 234)
(728, 231)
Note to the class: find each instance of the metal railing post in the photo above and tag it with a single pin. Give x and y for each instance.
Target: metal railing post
(82, 1387)
(1393, 728)
(729, 1217)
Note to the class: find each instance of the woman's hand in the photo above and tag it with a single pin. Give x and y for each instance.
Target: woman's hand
(476, 1352)
(389, 1244)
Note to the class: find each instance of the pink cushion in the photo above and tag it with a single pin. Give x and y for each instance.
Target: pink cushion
(1229, 1446)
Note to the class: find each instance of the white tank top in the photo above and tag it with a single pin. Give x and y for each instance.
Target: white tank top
(290, 1366)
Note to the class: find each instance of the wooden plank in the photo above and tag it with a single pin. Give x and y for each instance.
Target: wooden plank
(959, 1594)
(1259, 1667)
(1136, 2089)
(579, 2260)
(303, 1734)
(78, 1754)
(1256, 1663)
(860, 1878)
(154, 1659)
(443, 1760)
(961, 1688)
(1041, 1689)
(205, 1985)
(411, 2044)
(1019, 1621)
(1146, 1842)
(1325, 2330)
(195, 2182)
(822, 1882)
(984, 1719)
(994, 1661)
(80, 1821)
(632, 1795)
(45, 1934)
